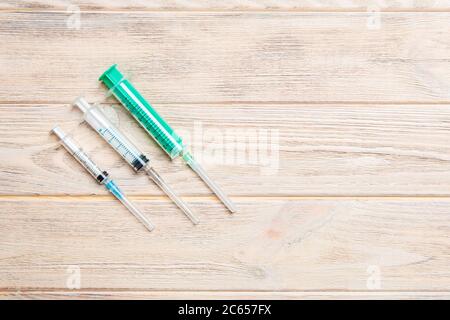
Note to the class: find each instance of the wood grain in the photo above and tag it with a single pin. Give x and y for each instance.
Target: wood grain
(203, 57)
(272, 245)
(318, 5)
(319, 150)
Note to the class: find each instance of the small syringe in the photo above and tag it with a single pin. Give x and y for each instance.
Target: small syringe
(102, 177)
(155, 125)
(129, 152)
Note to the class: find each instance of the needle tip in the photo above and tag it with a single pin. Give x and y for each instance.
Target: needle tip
(232, 208)
(195, 221)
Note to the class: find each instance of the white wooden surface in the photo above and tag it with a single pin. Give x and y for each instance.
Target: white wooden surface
(265, 5)
(353, 203)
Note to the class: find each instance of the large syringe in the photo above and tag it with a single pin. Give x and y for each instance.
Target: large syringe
(102, 177)
(132, 155)
(155, 125)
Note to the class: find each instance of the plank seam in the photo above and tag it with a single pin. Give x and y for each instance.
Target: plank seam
(231, 11)
(143, 291)
(236, 198)
(256, 103)
(128, 290)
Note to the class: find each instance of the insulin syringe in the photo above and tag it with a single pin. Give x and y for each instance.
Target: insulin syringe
(99, 175)
(129, 152)
(155, 125)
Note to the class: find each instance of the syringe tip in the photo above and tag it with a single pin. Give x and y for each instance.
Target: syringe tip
(82, 104)
(58, 132)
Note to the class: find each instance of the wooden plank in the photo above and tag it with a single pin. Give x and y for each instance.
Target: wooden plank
(228, 57)
(336, 150)
(310, 245)
(324, 5)
(214, 295)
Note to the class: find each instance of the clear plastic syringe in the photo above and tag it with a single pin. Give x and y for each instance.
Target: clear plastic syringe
(102, 177)
(129, 152)
(155, 125)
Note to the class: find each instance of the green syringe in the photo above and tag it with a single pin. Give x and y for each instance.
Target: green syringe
(155, 125)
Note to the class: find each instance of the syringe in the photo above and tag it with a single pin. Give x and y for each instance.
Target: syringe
(102, 177)
(155, 125)
(132, 155)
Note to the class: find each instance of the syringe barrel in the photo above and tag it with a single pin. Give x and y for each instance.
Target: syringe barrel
(73, 148)
(100, 123)
(142, 111)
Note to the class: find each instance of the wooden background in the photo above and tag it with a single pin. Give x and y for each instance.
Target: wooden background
(359, 205)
